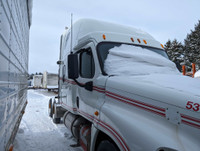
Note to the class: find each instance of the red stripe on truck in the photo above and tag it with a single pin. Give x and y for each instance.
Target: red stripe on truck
(190, 124)
(148, 107)
(138, 106)
(190, 118)
(138, 102)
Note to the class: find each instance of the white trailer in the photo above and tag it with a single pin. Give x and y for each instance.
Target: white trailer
(119, 91)
(15, 21)
(37, 81)
(50, 81)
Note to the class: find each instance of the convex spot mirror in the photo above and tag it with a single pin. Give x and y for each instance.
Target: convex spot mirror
(73, 66)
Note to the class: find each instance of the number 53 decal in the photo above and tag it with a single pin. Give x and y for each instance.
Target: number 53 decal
(192, 105)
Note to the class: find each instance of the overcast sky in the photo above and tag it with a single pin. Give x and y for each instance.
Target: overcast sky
(164, 20)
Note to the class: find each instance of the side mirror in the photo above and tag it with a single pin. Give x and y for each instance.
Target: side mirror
(89, 86)
(73, 66)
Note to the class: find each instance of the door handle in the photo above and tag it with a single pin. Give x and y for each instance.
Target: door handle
(77, 101)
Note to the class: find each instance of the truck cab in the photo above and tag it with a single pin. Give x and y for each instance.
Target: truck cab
(118, 91)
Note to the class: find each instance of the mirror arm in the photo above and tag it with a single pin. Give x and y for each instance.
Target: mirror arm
(88, 86)
(78, 83)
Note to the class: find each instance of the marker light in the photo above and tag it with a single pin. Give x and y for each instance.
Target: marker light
(11, 148)
(104, 37)
(139, 40)
(193, 69)
(96, 113)
(162, 45)
(183, 69)
(132, 39)
(145, 41)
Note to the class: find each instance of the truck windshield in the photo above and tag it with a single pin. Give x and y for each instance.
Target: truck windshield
(103, 51)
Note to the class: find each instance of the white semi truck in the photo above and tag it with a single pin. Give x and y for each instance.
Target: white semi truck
(119, 91)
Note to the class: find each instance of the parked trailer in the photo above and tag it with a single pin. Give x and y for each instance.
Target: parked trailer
(15, 21)
(50, 81)
(118, 90)
(37, 81)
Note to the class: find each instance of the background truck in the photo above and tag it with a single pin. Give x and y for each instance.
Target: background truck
(15, 21)
(119, 91)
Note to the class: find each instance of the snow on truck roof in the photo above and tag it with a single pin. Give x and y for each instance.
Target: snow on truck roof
(92, 28)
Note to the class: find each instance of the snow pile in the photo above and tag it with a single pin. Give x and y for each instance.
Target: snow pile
(37, 132)
(197, 74)
(133, 60)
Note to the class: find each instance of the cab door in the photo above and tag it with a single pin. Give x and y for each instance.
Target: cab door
(86, 100)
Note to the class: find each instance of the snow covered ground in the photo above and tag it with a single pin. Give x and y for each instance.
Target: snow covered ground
(37, 132)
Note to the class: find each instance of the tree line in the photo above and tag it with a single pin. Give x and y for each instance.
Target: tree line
(187, 52)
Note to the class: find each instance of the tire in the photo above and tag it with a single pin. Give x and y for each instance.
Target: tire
(64, 117)
(107, 145)
(56, 120)
(50, 108)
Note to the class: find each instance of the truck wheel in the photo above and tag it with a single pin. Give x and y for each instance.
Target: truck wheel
(106, 145)
(64, 117)
(56, 120)
(50, 108)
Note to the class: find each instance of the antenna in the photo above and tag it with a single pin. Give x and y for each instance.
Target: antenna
(71, 32)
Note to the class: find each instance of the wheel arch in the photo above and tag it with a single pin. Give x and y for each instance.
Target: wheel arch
(100, 136)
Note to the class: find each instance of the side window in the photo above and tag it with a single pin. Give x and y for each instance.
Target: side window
(87, 68)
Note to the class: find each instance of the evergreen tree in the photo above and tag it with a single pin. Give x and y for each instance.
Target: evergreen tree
(174, 50)
(192, 46)
(168, 48)
(190, 52)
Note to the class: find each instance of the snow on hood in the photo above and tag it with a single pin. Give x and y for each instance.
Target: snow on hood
(134, 60)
